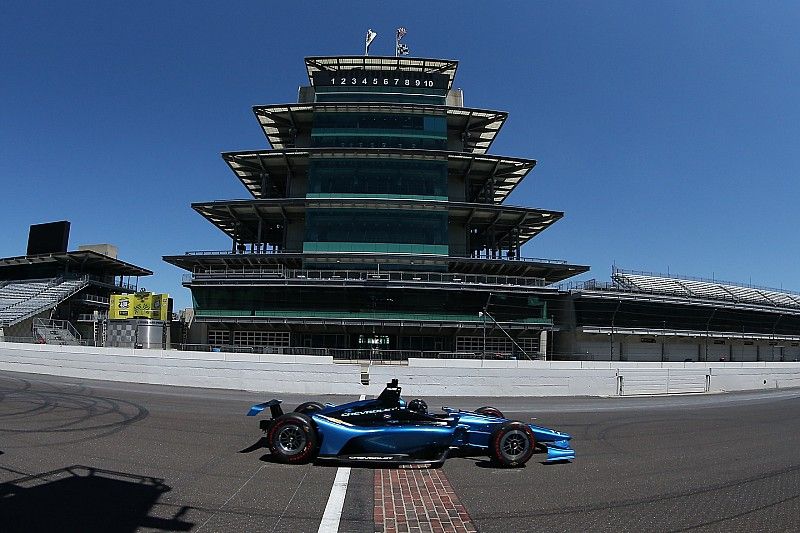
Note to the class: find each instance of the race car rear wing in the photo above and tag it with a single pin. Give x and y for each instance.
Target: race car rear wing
(274, 408)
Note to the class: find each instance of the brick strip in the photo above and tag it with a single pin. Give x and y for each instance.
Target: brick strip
(415, 500)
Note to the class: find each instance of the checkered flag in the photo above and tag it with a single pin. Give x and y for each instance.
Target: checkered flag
(400, 49)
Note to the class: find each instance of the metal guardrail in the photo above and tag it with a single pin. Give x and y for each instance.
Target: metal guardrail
(91, 317)
(285, 275)
(352, 354)
(453, 256)
(57, 324)
(38, 340)
(93, 298)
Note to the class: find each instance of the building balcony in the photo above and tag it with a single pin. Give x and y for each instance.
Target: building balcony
(546, 271)
(357, 278)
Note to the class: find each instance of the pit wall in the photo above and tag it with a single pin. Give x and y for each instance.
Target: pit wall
(421, 377)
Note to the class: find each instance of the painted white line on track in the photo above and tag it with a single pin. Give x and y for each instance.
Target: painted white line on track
(333, 510)
(212, 515)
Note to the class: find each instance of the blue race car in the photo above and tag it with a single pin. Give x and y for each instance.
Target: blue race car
(389, 430)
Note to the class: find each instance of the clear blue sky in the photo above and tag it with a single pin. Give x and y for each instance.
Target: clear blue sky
(668, 132)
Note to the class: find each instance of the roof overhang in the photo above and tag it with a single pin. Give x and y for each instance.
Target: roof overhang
(407, 64)
(87, 259)
(263, 221)
(477, 127)
(265, 173)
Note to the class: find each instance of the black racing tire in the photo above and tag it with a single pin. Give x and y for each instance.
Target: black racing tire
(308, 407)
(489, 411)
(512, 444)
(293, 439)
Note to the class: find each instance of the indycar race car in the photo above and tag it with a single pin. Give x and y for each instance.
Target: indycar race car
(389, 430)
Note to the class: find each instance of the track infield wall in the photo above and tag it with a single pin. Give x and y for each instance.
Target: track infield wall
(421, 377)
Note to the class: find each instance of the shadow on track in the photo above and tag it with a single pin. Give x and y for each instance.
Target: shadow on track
(82, 498)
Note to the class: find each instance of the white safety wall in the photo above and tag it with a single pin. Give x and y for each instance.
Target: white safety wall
(421, 377)
(240, 371)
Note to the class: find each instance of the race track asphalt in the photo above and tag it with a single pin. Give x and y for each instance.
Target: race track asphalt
(83, 455)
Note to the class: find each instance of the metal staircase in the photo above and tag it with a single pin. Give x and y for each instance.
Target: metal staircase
(56, 332)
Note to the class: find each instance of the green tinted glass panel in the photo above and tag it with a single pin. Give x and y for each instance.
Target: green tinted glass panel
(399, 122)
(334, 300)
(379, 130)
(376, 247)
(404, 178)
(379, 94)
(376, 226)
(378, 141)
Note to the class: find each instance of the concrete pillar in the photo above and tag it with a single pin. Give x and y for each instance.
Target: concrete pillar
(543, 344)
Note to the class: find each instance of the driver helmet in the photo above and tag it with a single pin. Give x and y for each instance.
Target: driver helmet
(418, 406)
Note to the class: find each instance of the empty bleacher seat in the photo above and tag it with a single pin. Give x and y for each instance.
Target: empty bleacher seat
(22, 299)
(707, 290)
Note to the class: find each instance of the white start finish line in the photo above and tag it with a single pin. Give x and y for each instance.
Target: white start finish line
(333, 510)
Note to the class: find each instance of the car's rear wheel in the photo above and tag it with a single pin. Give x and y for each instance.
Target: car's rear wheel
(489, 411)
(308, 407)
(512, 444)
(292, 438)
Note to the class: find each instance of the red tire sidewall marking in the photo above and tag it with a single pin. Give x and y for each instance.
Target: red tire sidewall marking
(498, 436)
(299, 457)
(496, 455)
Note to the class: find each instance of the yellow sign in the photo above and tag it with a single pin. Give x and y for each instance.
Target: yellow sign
(139, 305)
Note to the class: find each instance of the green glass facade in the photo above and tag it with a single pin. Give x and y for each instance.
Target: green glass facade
(373, 230)
(387, 304)
(379, 130)
(377, 178)
(404, 95)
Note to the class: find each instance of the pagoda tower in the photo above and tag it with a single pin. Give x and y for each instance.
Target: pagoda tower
(377, 223)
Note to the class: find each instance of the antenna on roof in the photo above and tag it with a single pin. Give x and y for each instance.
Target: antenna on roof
(370, 37)
(400, 49)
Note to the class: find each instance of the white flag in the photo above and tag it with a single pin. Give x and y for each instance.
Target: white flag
(370, 37)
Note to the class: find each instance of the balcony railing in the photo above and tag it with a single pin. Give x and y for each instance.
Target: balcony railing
(375, 355)
(91, 317)
(93, 298)
(486, 257)
(284, 276)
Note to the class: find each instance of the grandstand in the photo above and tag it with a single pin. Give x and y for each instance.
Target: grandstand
(703, 289)
(23, 299)
(62, 296)
(655, 317)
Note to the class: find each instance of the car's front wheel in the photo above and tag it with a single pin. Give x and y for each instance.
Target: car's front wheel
(512, 444)
(292, 438)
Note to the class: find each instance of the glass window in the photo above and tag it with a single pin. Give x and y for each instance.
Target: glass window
(379, 130)
(410, 95)
(376, 226)
(392, 177)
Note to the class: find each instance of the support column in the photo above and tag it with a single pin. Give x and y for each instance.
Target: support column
(543, 345)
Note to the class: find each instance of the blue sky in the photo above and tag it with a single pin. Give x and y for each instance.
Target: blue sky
(668, 132)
